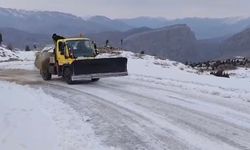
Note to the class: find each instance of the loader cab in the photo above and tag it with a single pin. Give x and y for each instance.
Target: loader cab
(80, 48)
(68, 50)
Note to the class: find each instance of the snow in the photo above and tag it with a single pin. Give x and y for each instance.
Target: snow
(16, 59)
(26, 56)
(240, 73)
(149, 68)
(23, 125)
(26, 65)
(157, 119)
(30, 119)
(48, 48)
(6, 54)
(145, 66)
(178, 87)
(165, 70)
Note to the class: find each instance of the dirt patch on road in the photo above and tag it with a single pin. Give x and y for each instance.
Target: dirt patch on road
(22, 77)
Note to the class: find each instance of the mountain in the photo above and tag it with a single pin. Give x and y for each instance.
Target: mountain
(150, 22)
(237, 45)
(115, 37)
(225, 47)
(21, 27)
(200, 39)
(176, 42)
(213, 27)
(47, 22)
(20, 39)
(109, 23)
(204, 28)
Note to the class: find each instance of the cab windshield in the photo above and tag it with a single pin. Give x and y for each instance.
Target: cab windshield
(80, 48)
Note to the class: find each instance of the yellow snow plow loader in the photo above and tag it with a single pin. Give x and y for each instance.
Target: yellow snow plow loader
(74, 59)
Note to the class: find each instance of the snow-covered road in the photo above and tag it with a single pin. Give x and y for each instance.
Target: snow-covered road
(146, 112)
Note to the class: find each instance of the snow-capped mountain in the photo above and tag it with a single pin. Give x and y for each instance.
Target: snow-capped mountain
(47, 22)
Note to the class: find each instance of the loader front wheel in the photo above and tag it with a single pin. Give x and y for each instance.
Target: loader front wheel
(67, 75)
(45, 74)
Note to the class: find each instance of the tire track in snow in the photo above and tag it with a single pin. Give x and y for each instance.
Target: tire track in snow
(128, 123)
(184, 92)
(162, 118)
(230, 132)
(131, 120)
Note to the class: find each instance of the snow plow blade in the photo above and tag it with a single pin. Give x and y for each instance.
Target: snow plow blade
(99, 68)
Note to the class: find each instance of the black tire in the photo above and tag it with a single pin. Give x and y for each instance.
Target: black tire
(67, 75)
(46, 75)
(95, 79)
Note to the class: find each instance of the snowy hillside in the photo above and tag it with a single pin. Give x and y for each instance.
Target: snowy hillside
(16, 59)
(162, 104)
(149, 68)
(6, 54)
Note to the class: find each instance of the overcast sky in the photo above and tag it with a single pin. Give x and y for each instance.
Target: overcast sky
(133, 8)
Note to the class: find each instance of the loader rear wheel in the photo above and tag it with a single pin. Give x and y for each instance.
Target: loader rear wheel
(46, 75)
(95, 79)
(67, 75)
